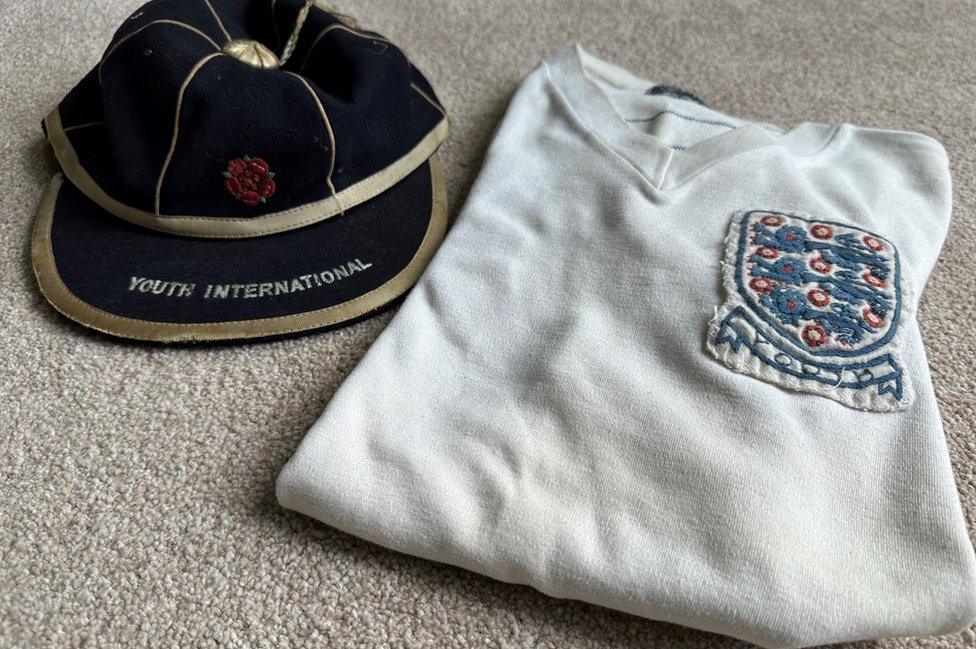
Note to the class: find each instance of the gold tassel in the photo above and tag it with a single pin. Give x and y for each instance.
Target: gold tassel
(292, 42)
(296, 30)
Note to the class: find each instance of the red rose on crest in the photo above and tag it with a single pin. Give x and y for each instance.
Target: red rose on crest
(815, 335)
(761, 285)
(818, 297)
(249, 180)
(873, 279)
(822, 231)
(820, 265)
(872, 319)
(873, 244)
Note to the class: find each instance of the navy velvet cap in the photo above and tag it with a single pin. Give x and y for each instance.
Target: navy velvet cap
(240, 143)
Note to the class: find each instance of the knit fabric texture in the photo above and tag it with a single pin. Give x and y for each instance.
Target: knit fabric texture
(137, 499)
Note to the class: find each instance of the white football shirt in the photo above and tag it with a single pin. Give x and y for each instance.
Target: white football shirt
(667, 362)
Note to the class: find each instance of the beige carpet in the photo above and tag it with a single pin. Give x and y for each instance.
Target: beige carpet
(137, 483)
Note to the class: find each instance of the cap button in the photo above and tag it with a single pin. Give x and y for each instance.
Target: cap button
(253, 53)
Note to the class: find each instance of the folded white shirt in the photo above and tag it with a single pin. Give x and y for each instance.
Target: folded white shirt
(667, 362)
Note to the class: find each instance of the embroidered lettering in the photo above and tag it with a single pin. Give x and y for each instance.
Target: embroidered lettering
(160, 287)
(251, 290)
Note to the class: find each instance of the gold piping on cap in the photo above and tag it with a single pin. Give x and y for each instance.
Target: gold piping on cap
(214, 227)
(68, 304)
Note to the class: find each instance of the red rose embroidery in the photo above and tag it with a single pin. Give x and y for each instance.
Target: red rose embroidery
(822, 231)
(873, 244)
(872, 319)
(815, 335)
(818, 297)
(873, 280)
(761, 285)
(821, 266)
(249, 180)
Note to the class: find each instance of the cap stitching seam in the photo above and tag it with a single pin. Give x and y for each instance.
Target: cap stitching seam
(332, 142)
(68, 129)
(274, 21)
(176, 125)
(428, 98)
(70, 163)
(344, 27)
(163, 21)
(220, 23)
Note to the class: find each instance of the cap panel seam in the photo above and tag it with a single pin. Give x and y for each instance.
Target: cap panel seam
(429, 99)
(239, 227)
(162, 21)
(332, 141)
(220, 23)
(176, 124)
(68, 129)
(349, 29)
(362, 34)
(274, 21)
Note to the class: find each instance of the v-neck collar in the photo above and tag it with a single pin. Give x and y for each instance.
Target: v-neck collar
(575, 73)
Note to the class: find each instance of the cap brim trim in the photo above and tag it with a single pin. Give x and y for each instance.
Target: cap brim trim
(240, 228)
(61, 298)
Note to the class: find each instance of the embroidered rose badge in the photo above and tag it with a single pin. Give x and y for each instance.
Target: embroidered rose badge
(249, 180)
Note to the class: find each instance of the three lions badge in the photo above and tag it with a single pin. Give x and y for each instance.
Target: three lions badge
(814, 306)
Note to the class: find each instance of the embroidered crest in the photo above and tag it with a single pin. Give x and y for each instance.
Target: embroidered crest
(814, 306)
(249, 180)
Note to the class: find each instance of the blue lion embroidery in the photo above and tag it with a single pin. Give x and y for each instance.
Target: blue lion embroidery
(815, 302)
